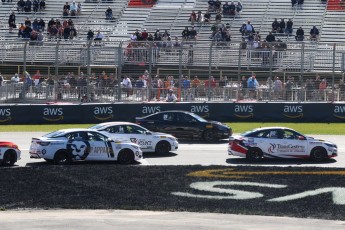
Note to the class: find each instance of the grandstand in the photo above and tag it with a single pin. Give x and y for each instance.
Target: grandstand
(173, 16)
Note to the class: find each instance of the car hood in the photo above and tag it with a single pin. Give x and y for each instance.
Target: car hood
(320, 140)
(218, 123)
(162, 134)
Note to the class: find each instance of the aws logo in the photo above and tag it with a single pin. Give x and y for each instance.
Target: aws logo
(103, 113)
(53, 114)
(150, 109)
(5, 115)
(244, 111)
(201, 109)
(339, 112)
(293, 111)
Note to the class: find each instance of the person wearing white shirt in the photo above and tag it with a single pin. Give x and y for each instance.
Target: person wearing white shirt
(73, 9)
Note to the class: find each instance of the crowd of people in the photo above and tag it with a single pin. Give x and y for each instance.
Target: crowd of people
(30, 6)
(71, 10)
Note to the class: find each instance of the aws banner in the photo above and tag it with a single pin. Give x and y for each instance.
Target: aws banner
(231, 112)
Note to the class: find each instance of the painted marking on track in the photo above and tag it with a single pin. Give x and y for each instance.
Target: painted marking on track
(231, 173)
(144, 162)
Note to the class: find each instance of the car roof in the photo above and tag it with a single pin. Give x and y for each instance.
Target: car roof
(171, 111)
(272, 127)
(116, 123)
(73, 130)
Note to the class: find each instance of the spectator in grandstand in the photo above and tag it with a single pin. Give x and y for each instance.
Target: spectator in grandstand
(270, 37)
(239, 8)
(193, 34)
(299, 34)
(300, 4)
(40, 38)
(35, 25)
(293, 3)
(196, 82)
(144, 35)
(99, 36)
(257, 36)
(41, 25)
(108, 13)
(207, 17)
(171, 97)
(53, 32)
(157, 36)
(252, 85)
(73, 9)
(185, 34)
(211, 82)
(223, 81)
(226, 9)
(249, 28)
(20, 5)
(79, 8)
(127, 85)
(67, 32)
(199, 17)
(275, 26)
(27, 22)
(27, 32)
(82, 87)
(65, 9)
(42, 5)
(282, 26)
(243, 29)
(15, 78)
(192, 17)
(211, 5)
(277, 88)
(12, 21)
(28, 5)
(35, 5)
(176, 42)
(218, 18)
(314, 34)
(218, 6)
(21, 30)
(90, 35)
(288, 28)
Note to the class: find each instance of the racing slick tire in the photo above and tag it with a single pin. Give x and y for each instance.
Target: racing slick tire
(254, 155)
(209, 136)
(126, 156)
(62, 157)
(10, 158)
(162, 147)
(318, 154)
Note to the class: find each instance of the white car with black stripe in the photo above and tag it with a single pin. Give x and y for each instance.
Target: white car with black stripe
(280, 142)
(148, 141)
(68, 145)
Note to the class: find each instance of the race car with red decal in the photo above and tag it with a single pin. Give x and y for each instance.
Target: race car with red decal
(9, 153)
(67, 145)
(280, 142)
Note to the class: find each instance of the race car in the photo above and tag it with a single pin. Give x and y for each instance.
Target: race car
(185, 125)
(68, 145)
(148, 141)
(280, 142)
(9, 153)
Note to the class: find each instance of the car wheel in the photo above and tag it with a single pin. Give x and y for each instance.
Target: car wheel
(209, 136)
(163, 147)
(318, 154)
(62, 158)
(125, 156)
(9, 158)
(254, 154)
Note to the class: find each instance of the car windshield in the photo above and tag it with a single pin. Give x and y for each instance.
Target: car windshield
(54, 134)
(198, 117)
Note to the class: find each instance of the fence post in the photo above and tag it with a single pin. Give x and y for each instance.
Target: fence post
(333, 72)
(209, 73)
(239, 71)
(57, 59)
(179, 72)
(119, 72)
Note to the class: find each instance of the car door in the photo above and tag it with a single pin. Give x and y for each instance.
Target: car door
(100, 147)
(168, 121)
(139, 136)
(116, 132)
(185, 126)
(268, 141)
(294, 145)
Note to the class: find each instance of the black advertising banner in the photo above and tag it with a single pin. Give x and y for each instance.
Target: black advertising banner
(231, 112)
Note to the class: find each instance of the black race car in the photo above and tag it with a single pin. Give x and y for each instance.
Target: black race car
(185, 125)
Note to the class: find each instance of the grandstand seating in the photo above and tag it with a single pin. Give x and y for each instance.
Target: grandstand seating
(173, 16)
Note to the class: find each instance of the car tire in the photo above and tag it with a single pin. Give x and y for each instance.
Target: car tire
(209, 136)
(162, 147)
(62, 158)
(125, 157)
(9, 158)
(254, 155)
(318, 154)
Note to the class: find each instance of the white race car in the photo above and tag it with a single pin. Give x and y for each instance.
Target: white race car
(9, 153)
(147, 140)
(280, 142)
(67, 145)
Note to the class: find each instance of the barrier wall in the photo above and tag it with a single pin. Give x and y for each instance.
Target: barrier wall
(230, 112)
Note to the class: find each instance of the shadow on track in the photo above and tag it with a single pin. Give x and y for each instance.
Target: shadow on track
(274, 162)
